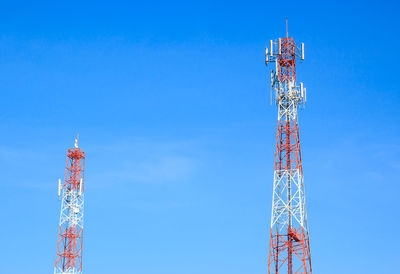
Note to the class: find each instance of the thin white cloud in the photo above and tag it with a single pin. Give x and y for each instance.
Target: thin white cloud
(145, 162)
(159, 169)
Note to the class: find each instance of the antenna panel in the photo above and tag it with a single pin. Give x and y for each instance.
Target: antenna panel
(271, 46)
(59, 187)
(279, 46)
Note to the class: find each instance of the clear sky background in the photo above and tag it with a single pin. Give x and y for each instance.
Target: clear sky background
(171, 100)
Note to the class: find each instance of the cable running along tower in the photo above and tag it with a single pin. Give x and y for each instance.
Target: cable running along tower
(289, 246)
(69, 244)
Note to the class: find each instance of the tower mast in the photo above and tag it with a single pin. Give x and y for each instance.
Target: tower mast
(289, 247)
(71, 192)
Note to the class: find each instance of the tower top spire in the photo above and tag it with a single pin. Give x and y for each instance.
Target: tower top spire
(287, 33)
(77, 140)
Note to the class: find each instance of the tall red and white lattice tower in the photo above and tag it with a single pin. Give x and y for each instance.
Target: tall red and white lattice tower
(289, 246)
(71, 191)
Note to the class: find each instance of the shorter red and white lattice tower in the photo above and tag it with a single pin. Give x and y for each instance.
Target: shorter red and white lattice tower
(71, 191)
(289, 246)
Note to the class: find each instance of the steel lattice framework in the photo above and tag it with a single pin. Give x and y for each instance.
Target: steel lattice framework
(289, 247)
(69, 244)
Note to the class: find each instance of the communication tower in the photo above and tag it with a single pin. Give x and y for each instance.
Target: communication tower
(289, 246)
(71, 192)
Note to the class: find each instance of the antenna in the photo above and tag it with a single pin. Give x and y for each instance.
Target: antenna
(59, 188)
(279, 46)
(76, 140)
(301, 90)
(271, 46)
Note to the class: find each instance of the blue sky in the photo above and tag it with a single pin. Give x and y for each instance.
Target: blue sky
(172, 104)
